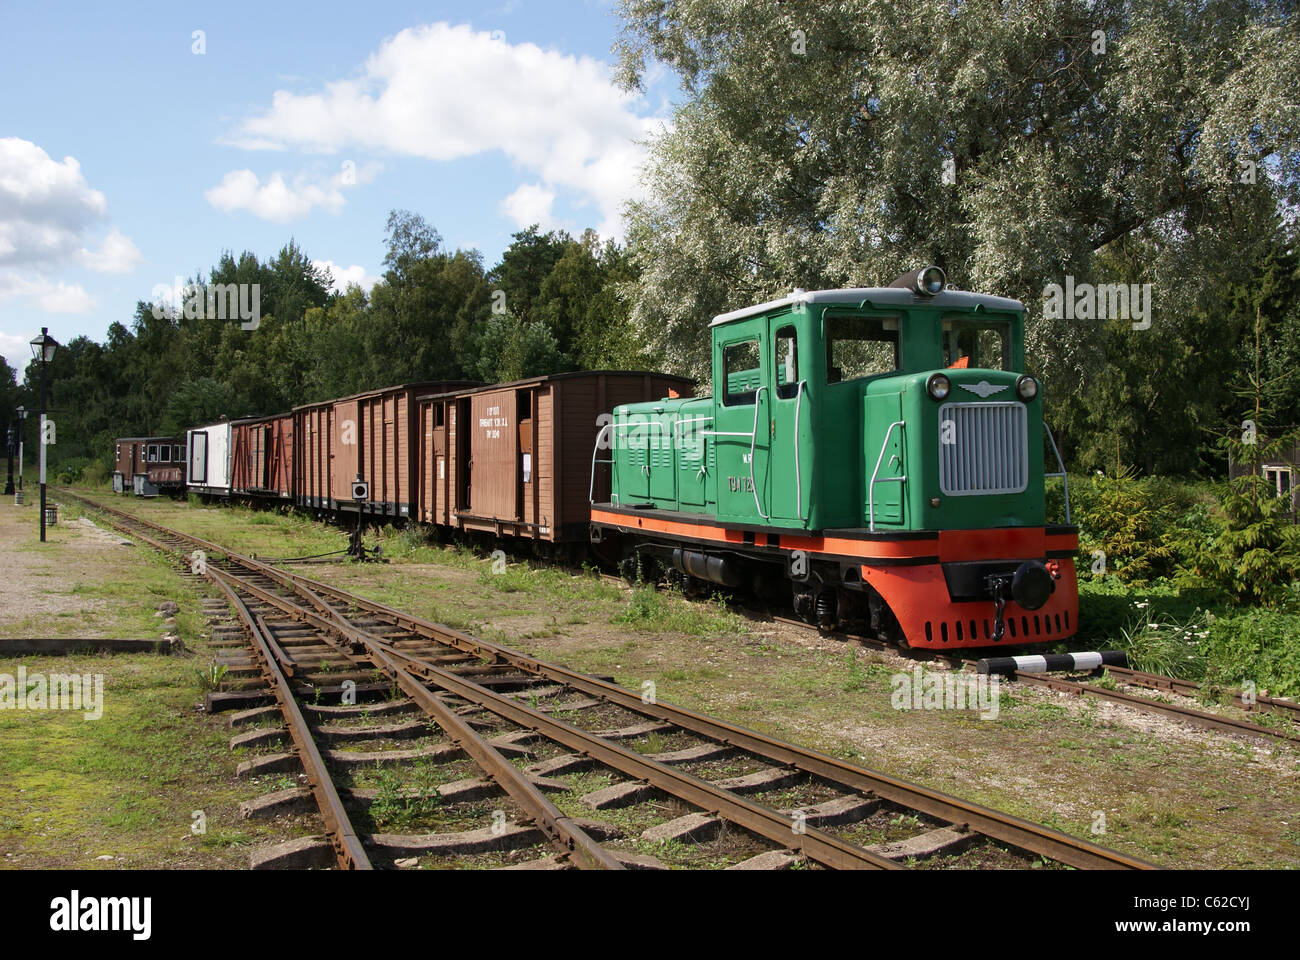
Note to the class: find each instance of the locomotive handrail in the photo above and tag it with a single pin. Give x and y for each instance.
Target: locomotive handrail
(871, 487)
(1065, 480)
(753, 444)
(798, 478)
(591, 490)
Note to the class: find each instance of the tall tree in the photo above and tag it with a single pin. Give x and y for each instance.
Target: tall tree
(839, 144)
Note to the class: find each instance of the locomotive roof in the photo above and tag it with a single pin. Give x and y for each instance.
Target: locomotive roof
(877, 296)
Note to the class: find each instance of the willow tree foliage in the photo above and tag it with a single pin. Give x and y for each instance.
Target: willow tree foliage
(825, 145)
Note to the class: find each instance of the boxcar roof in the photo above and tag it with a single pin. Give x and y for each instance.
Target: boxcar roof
(877, 296)
(417, 385)
(571, 375)
(263, 418)
(231, 421)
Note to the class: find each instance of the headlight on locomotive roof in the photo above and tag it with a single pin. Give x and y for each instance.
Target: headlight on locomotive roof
(938, 386)
(1027, 388)
(930, 281)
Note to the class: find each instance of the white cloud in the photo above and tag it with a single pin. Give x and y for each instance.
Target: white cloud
(344, 277)
(530, 204)
(16, 349)
(64, 298)
(117, 254)
(49, 295)
(47, 212)
(443, 93)
(274, 200)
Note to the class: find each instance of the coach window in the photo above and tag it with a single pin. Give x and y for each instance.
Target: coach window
(983, 344)
(786, 363)
(153, 453)
(858, 347)
(178, 454)
(741, 371)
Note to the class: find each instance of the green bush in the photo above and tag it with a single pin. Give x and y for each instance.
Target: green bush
(1108, 607)
(83, 471)
(1255, 559)
(1148, 528)
(1164, 645)
(1258, 645)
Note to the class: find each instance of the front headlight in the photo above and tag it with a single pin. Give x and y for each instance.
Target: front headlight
(1027, 388)
(938, 386)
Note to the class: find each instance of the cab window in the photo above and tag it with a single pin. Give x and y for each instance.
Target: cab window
(969, 343)
(741, 371)
(786, 365)
(858, 347)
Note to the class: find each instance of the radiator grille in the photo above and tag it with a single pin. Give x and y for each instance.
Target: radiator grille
(988, 449)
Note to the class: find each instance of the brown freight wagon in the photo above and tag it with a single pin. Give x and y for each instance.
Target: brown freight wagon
(515, 459)
(261, 463)
(367, 437)
(146, 465)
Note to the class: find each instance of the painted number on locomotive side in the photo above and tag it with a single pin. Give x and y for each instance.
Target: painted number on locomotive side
(740, 484)
(492, 422)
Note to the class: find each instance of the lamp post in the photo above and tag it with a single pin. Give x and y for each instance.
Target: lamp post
(9, 458)
(22, 423)
(43, 350)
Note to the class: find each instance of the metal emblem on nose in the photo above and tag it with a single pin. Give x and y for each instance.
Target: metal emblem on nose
(983, 389)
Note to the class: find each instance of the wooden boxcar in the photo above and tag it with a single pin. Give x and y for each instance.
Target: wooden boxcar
(261, 461)
(515, 459)
(366, 437)
(147, 465)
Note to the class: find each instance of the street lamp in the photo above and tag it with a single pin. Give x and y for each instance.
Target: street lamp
(9, 460)
(22, 422)
(43, 350)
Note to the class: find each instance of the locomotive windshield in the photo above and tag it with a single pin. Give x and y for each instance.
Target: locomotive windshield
(858, 347)
(985, 344)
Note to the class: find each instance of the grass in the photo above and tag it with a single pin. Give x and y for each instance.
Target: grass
(668, 610)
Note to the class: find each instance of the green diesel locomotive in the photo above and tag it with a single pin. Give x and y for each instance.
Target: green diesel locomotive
(875, 456)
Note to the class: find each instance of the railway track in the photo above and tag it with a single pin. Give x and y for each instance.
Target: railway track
(553, 749)
(1136, 678)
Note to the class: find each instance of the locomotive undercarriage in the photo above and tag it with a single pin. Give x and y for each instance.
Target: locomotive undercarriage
(824, 593)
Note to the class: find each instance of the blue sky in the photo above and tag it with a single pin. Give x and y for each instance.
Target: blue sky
(128, 158)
